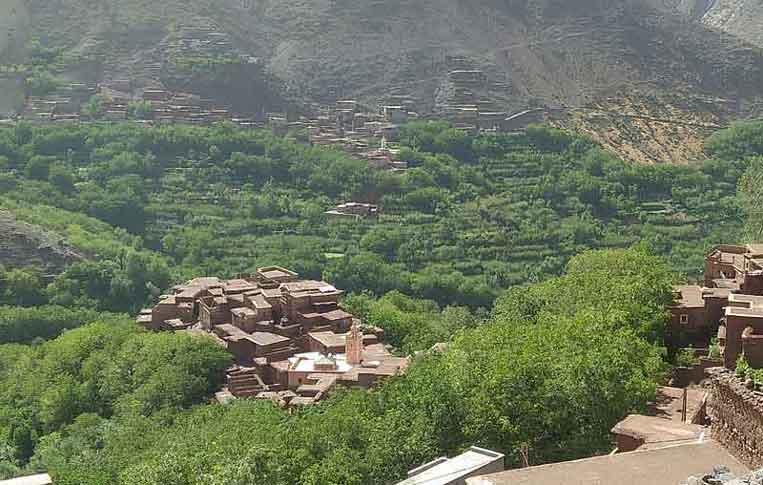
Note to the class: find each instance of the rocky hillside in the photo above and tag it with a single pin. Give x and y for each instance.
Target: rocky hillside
(533, 52)
(30, 245)
(741, 18)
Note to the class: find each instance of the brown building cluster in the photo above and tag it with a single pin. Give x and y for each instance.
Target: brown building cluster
(729, 305)
(357, 130)
(291, 339)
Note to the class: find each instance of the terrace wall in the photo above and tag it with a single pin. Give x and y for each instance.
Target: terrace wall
(736, 413)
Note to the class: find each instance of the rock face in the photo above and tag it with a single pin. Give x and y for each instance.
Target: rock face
(24, 244)
(529, 53)
(549, 51)
(736, 413)
(741, 18)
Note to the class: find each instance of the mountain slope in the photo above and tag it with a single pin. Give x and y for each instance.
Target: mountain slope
(741, 18)
(328, 49)
(532, 52)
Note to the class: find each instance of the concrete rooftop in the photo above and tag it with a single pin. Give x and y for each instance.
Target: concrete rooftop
(663, 466)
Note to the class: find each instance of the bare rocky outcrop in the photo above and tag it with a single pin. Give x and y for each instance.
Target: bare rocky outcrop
(741, 18)
(23, 244)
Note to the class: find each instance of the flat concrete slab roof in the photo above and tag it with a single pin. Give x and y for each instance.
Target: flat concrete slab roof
(691, 296)
(39, 479)
(654, 431)
(445, 471)
(664, 466)
(266, 338)
(329, 339)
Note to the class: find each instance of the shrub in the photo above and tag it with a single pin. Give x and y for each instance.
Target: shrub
(686, 358)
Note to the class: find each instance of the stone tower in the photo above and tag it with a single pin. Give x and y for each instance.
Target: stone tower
(354, 344)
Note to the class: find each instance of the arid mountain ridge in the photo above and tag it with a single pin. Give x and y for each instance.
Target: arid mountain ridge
(698, 60)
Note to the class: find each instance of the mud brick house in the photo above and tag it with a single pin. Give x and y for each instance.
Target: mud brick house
(743, 330)
(395, 114)
(291, 340)
(696, 314)
(727, 305)
(738, 268)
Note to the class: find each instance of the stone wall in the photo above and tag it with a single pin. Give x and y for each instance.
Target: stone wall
(686, 376)
(736, 413)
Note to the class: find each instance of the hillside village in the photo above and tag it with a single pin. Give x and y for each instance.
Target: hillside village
(293, 344)
(292, 341)
(244, 242)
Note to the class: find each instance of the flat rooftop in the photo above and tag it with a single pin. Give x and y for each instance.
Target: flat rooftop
(445, 471)
(655, 431)
(39, 479)
(664, 466)
(329, 339)
(691, 296)
(275, 272)
(243, 312)
(267, 338)
(732, 311)
(669, 403)
(306, 363)
(748, 301)
(727, 283)
(308, 285)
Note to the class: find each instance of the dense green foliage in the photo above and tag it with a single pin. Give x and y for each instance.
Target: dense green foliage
(636, 294)
(410, 324)
(104, 369)
(551, 386)
(474, 215)
(573, 343)
(120, 275)
(28, 324)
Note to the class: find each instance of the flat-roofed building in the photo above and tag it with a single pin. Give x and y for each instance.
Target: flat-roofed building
(664, 466)
(267, 319)
(743, 330)
(455, 471)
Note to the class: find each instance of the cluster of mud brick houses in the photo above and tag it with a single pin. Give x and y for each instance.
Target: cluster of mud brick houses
(291, 339)
(727, 306)
(347, 124)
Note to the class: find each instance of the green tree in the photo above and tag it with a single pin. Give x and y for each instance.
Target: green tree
(61, 177)
(23, 287)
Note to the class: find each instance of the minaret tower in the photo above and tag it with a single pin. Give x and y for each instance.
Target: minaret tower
(354, 344)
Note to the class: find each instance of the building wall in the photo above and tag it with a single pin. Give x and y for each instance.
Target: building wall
(160, 313)
(753, 285)
(735, 326)
(696, 332)
(244, 350)
(714, 311)
(736, 414)
(753, 350)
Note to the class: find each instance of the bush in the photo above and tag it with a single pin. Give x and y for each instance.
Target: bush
(687, 358)
(714, 352)
(743, 368)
